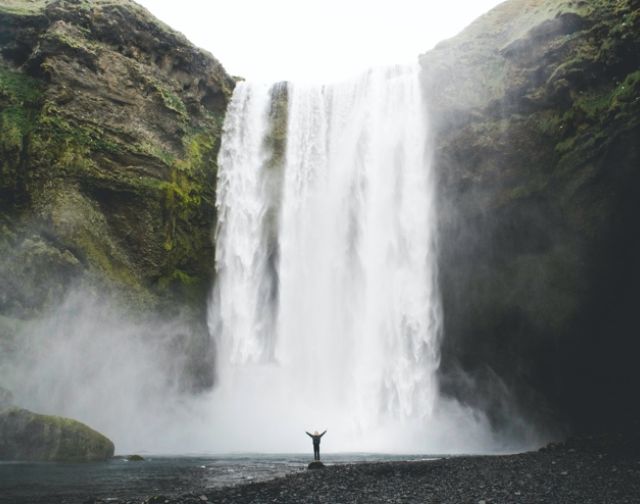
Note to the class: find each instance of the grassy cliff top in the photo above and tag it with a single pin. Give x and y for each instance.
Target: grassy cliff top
(520, 43)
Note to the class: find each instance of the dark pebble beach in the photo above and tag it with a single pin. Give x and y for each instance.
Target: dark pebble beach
(591, 472)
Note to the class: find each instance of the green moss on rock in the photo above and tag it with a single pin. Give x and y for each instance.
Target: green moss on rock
(109, 131)
(108, 137)
(535, 114)
(28, 436)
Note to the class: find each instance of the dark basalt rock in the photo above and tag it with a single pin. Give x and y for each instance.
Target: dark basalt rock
(316, 464)
(536, 115)
(562, 475)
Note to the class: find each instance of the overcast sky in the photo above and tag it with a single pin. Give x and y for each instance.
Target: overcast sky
(315, 40)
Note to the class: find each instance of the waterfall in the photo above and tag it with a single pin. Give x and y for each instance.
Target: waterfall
(243, 280)
(325, 311)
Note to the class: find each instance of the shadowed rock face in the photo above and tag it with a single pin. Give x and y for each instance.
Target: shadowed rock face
(536, 120)
(27, 436)
(109, 131)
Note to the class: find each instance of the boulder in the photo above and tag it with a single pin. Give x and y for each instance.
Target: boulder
(25, 435)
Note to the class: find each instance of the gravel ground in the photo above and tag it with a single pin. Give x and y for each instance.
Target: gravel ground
(559, 474)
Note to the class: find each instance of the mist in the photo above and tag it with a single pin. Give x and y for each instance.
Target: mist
(89, 360)
(290, 347)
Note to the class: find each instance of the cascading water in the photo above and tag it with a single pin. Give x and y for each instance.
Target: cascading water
(243, 282)
(325, 311)
(330, 318)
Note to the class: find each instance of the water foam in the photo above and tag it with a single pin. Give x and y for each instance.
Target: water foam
(341, 330)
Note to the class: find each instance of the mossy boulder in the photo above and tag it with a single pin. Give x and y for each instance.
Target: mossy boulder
(536, 114)
(28, 436)
(110, 126)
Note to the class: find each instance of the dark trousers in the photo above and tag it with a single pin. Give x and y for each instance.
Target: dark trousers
(316, 452)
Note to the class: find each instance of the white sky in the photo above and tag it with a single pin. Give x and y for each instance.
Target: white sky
(315, 40)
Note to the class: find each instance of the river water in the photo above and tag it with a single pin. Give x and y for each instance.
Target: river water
(53, 483)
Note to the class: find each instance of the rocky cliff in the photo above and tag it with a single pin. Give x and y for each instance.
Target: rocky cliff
(536, 122)
(109, 131)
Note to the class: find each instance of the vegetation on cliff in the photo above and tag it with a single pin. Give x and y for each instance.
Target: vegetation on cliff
(536, 116)
(110, 125)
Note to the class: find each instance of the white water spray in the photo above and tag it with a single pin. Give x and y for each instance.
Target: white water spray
(325, 311)
(342, 331)
(243, 282)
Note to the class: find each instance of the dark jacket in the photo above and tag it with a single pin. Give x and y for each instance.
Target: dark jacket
(316, 439)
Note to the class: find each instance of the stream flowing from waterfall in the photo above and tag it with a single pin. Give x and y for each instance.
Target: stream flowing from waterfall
(326, 312)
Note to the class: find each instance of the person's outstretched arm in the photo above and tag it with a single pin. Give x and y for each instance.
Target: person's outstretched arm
(310, 435)
(323, 433)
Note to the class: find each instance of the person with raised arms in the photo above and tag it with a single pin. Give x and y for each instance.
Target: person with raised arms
(316, 443)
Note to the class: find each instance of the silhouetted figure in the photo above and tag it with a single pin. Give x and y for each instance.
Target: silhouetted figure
(316, 443)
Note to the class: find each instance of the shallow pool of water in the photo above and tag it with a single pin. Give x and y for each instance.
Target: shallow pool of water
(40, 482)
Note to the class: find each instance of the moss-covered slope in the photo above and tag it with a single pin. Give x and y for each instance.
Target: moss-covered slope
(109, 131)
(536, 117)
(110, 124)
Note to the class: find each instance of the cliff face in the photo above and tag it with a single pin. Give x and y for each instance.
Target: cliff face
(536, 121)
(109, 131)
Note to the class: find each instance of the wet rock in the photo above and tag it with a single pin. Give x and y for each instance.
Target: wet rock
(535, 111)
(28, 436)
(528, 477)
